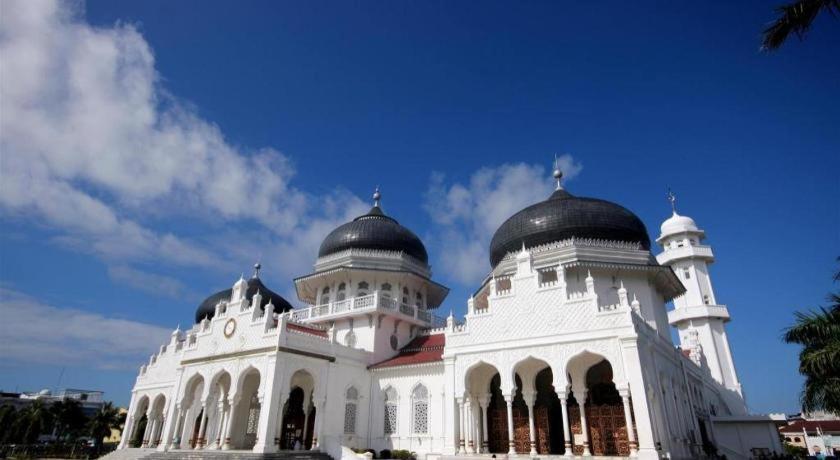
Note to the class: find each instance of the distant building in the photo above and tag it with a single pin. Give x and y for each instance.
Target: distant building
(821, 435)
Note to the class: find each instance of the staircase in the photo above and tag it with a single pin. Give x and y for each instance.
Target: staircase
(128, 454)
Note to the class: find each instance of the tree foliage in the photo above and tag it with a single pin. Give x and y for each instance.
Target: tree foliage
(100, 425)
(796, 18)
(819, 361)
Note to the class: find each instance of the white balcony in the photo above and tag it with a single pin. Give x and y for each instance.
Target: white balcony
(376, 302)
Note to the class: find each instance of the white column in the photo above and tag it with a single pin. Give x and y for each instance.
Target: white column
(220, 421)
(202, 427)
(125, 437)
(175, 439)
(154, 425)
(189, 420)
(529, 401)
(461, 428)
(485, 441)
(233, 402)
(511, 442)
(468, 422)
(319, 422)
(628, 420)
(147, 430)
(567, 432)
(583, 427)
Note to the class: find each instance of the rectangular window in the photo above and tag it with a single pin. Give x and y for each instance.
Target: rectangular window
(686, 273)
(350, 418)
(421, 417)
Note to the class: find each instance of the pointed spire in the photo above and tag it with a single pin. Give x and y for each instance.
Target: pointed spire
(257, 267)
(558, 174)
(673, 200)
(376, 197)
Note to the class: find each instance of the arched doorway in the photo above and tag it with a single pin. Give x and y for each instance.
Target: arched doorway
(139, 422)
(247, 413)
(497, 432)
(605, 418)
(293, 420)
(548, 415)
(189, 437)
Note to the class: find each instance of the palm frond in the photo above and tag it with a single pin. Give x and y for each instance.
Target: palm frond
(814, 327)
(795, 18)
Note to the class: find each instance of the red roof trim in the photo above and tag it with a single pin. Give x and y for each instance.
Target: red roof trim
(306, 330)
(423, 349)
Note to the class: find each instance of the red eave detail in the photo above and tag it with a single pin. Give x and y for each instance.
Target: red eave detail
(306, 330)
(826, 426)
(423, 349)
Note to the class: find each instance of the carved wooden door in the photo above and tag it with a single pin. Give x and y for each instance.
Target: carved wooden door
(497, 430)
(608, 431)
(543, 430)
(521, 433)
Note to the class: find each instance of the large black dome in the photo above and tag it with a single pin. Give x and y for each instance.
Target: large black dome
(563, 216)
(374, 230)
(208, 308)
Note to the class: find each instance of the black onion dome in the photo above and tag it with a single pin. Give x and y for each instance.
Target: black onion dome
(208, 308)
(563, 216)
(374, 230)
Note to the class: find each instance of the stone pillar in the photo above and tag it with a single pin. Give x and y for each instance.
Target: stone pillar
(202, 428)
(567, 432)
(319, 422)
(125, 438)
(461, 428)
(583, 427)
(485, 441)
(233, 402)
(628, 420)
(532, 432)
(220, 421)
(189, 416)
(175, 439)
(468, 425)
(146, 432)
(511, 442)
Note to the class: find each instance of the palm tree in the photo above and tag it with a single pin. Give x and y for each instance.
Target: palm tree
(101, 424)
(819, 361)
(69, 418)
(795, 17)
(34, 420)
(7, 421)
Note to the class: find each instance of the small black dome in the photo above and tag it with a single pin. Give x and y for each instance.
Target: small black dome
(374, 230)
(208, 308)
(563, 216)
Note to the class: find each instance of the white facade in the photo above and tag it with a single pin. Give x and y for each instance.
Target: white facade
(368, 366)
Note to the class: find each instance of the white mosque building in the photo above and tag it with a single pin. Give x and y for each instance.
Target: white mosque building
(565, 350)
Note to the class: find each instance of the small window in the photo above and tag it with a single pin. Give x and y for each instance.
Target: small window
(325, 296)
(797, 439)
(405, 295)
(420, 406)
(350, 339)
(350, 406)
(390, 415)
(706, 299)
(418, 301)
(362, 289)
(686, 273)
(341, 294)
(386, 290)
(680, 244)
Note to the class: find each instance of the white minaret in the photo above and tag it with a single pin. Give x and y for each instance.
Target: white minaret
(697, 315)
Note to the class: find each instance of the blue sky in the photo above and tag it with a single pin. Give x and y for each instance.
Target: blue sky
(152, 151)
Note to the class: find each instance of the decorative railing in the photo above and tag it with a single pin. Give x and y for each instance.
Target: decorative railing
(376, 301)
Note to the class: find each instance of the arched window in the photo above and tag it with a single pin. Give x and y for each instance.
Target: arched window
(350, 339)
(341, 294)
(390, 411)
(350, 405)
(362, 289)
(325, 296)
(405, 295)
(420, 409)
(418, 300)
(386, 290)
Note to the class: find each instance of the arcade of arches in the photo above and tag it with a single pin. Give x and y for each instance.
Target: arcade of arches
(217, 420)
(539, 419)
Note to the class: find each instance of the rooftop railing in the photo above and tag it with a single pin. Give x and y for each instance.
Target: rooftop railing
(378, 300)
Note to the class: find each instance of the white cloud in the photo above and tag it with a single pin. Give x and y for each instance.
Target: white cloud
(151, 283)
(467, 215)
(32, 332)
(92, 146)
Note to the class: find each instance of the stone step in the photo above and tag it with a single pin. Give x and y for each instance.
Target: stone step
(235, 455)
(128, 454)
